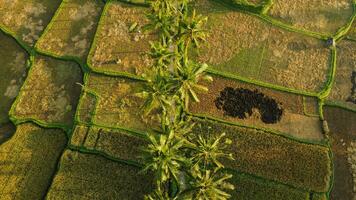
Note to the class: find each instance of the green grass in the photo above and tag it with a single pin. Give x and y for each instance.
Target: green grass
(276, 158)
(94, 177)
(352, 31)
(50, 92)
(13, 71)
(320, 197)
(86, 107)
(72, 29)
(28, 161)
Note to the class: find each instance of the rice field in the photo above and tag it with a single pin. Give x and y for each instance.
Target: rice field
(283, 91)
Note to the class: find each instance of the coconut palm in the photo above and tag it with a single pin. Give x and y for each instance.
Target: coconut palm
(191, 31)
(208, 151)
(164, 156)
(208, 185)
(157, 91)
(161, 53)
(189, 75)
(157, 195)
(162, 18)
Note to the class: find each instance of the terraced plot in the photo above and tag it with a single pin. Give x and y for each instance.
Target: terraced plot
(50, 93)
(72, 29)
(28, 161)
(117, 105)
(119, 144)
(117, 49)
(324, 16)
(293, 121)
(26, 19)
(243, 45)
(93, 177)
(276, 158)
(343, 91)
(13, 72)
(343, 129)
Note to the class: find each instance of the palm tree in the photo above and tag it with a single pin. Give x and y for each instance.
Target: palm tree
(164, 157)
(161, 53)
(157, 91)
(162, 18)
(208, 185)
(208, 151)
(189, 75)
(191, 31)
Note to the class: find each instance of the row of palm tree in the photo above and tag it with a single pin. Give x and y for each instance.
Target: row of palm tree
(186, 165)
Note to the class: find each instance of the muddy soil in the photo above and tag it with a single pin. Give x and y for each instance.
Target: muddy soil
(239, 102)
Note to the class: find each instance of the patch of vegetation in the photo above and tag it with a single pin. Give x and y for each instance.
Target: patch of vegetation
(78, 135)
(275, 157)
(13, 71)
(319, 197)
(50, 93)
(28, 161)
(72, 29)
(94, 177)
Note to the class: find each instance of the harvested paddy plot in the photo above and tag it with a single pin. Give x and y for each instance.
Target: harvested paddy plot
(94, 177)
(13, 71)
(27, 19)
(324, 16)
(120, 46)
(28, 161)
(289, 110)
(243, 45)
(72, 29)
(274, 157)
(117, 104)
(343, 90)
(50, 93)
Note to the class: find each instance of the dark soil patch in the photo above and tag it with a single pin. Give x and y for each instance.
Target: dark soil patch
(343, 130)
(240, 102)
(341, 121)
(352, 98)
(6, 131)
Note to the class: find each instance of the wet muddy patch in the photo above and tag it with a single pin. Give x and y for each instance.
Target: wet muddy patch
(352, 97)
(243, 103)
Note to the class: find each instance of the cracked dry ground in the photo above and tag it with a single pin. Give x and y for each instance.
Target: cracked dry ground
(71, 128)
